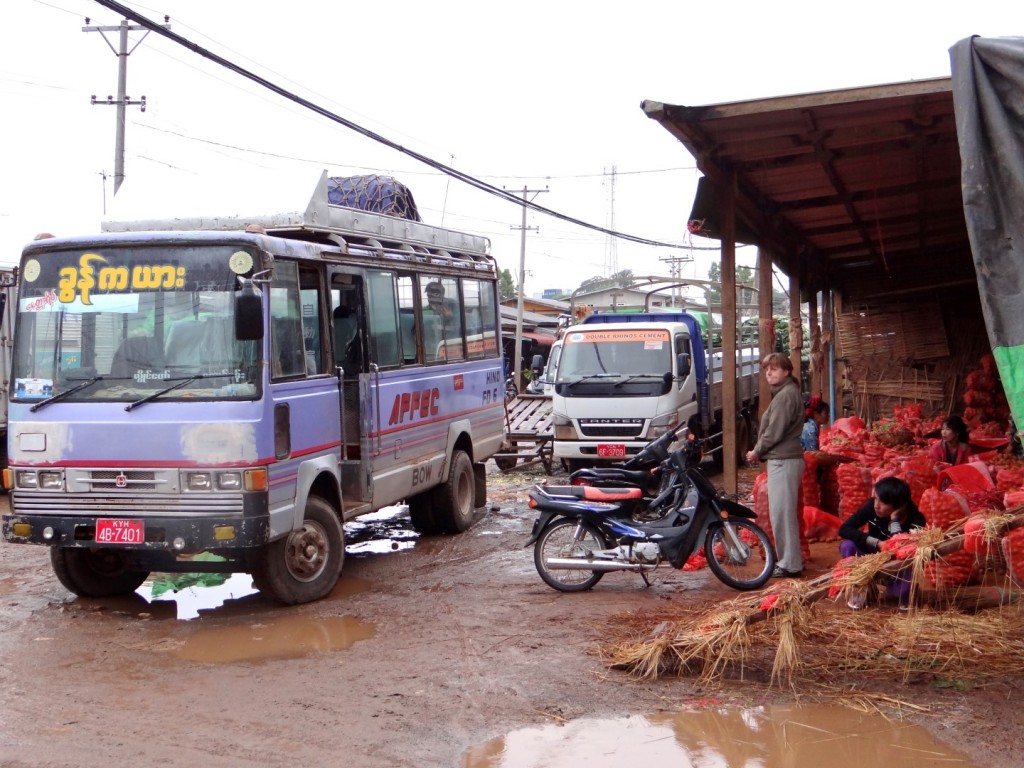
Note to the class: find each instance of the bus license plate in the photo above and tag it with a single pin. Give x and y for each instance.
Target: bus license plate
(611, 450)
(111, 531)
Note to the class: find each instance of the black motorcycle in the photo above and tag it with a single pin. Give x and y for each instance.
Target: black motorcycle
(582, 532)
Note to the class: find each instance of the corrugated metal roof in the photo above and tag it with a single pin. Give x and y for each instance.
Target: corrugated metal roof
(857, 190)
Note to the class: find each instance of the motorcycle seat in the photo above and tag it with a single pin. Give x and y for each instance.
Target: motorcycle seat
(593, 493)
(639, 477)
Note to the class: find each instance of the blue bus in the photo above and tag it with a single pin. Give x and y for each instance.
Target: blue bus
(243, 387)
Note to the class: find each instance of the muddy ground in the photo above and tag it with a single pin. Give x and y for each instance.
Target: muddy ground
(422, 652)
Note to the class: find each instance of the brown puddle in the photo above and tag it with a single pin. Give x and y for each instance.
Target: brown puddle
(285, 637)
(765, 737)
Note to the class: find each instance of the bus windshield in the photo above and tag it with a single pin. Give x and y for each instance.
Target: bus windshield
(132, 322)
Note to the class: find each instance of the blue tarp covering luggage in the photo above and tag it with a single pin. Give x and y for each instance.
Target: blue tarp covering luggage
(377, 194)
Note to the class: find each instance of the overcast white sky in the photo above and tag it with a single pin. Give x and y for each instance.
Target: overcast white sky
(541, 95)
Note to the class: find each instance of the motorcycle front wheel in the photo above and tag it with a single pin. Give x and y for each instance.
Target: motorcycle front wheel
(739, 553)
(568, 539)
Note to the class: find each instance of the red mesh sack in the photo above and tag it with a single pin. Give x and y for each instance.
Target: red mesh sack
(1012, 545)
(854, 488)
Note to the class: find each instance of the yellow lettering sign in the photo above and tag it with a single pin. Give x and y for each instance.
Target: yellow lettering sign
(79, 282)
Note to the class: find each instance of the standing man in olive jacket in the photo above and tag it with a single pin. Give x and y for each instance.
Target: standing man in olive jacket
(778, 444)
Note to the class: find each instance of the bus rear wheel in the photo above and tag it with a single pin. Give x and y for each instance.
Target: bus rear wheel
(453, 499)
(95, 572)
(304, 565)
(421, 512)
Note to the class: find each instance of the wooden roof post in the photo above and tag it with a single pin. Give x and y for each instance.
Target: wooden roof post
(796, 328)
(765, 324)
(817, 357)
(730, 475)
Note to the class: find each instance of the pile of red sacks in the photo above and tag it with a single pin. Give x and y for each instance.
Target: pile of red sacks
(853, 457)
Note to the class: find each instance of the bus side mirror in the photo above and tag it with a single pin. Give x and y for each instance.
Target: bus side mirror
(683, 364)
(249, 312)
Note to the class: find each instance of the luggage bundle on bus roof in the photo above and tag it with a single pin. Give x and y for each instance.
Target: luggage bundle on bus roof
(378, 194)
(376, 211)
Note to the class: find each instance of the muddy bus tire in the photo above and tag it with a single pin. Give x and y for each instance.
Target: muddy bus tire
(94, 572)
(421, 512)
(453, 499)
(304, 565)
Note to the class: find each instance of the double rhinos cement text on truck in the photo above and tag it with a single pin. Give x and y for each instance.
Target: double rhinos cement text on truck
(624, 380)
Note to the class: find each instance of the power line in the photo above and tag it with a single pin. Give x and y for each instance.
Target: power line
(128, 13)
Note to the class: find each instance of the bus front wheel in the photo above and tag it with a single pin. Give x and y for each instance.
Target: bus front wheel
(304, 565)
(94, 572)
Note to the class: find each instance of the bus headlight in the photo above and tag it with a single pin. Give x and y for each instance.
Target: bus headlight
(200, 481)
(229, 481)
(26, 479)
(51, 481)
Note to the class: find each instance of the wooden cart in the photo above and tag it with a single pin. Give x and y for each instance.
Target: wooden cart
(529, 434)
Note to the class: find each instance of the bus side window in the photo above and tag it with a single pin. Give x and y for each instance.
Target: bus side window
(289, 353)
(407, 321)
(309, 298)
(383, 319)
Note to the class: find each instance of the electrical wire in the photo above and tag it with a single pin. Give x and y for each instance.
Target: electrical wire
(465, 178)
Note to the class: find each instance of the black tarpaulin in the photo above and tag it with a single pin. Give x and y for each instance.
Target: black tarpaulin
(988, 99)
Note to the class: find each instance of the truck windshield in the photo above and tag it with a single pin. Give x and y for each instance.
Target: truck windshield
(621, 353)
(120, 324)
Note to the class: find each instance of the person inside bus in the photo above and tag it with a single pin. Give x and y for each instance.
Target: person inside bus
(953, 448)
(436, 301)
(348, 349)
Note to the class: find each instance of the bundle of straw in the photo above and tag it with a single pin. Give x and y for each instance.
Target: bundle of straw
(713, 644)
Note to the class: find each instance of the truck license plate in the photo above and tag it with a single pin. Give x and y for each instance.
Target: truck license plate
(611, 450)
(111, 531)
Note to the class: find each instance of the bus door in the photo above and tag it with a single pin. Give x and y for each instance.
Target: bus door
(303, 389)
(349, 347)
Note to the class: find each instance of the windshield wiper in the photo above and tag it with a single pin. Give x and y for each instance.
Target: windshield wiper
(635, 376)
(590, 376)
(61, 395)
(183, 383)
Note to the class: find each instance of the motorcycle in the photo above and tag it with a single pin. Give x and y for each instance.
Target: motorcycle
(583, 532)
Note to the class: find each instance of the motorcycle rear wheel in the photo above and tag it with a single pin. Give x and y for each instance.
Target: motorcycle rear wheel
(747, 567)
(568, 538)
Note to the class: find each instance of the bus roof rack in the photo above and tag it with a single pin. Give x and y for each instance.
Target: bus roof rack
(322, 218)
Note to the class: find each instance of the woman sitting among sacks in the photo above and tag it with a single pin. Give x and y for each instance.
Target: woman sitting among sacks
(953, 448)
(888, 512)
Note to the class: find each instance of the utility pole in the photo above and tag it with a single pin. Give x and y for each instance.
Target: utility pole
(123, 100)
(675, 272)
(522, 279)
(611, 264)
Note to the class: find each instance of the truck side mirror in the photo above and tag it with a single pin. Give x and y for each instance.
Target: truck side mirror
(249, 312)
(683, 364)
(537, 364)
